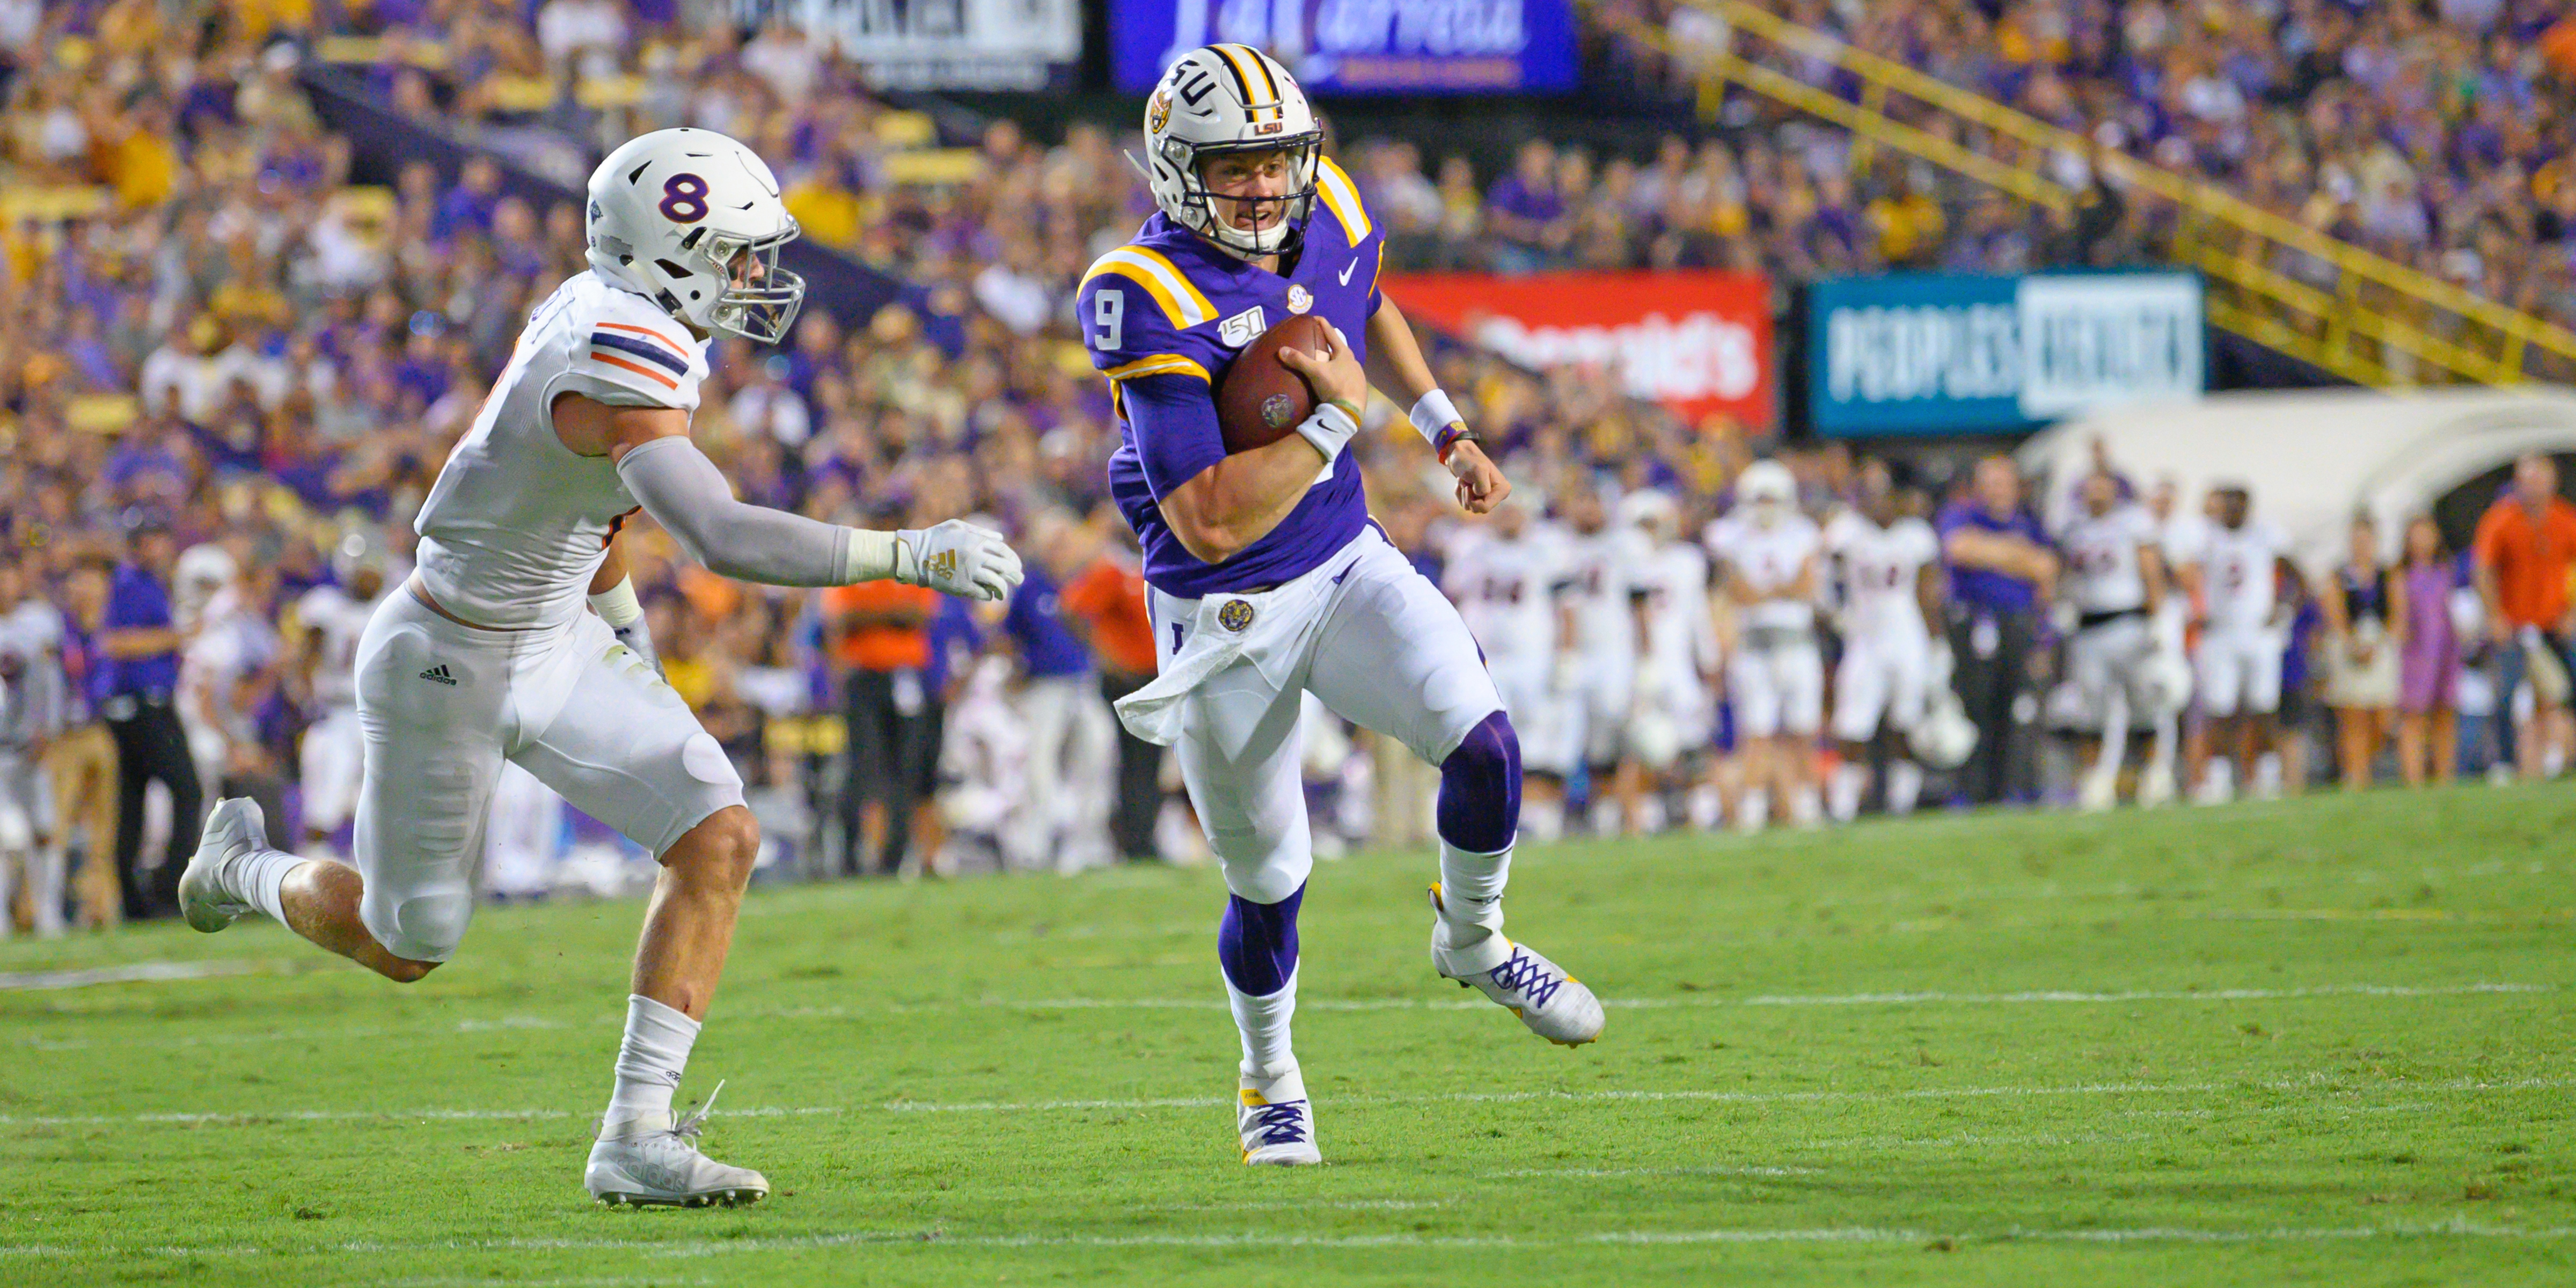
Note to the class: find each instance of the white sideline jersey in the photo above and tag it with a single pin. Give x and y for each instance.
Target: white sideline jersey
(1685, 635)
(1596, 574)
(1882, 567)
(517, 524)
(2102, 559)
(1768, 560)
(1503, 586)
(341, 619)
(2237, 572)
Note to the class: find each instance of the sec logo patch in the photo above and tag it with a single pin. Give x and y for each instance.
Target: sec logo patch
(1300, 299)
(1236, 615)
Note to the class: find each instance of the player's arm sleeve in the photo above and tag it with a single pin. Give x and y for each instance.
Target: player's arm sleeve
(632, 364)
(688, 496)
(1174, 419)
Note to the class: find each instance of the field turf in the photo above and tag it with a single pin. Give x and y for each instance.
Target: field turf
(2324, 1041)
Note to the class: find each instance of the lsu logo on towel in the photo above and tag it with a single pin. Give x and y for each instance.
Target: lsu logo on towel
(1235, 615)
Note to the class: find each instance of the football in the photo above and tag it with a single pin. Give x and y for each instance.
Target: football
(1258, 399)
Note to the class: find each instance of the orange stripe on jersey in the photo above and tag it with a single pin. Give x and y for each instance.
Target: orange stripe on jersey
(675, 347)
(667, 382)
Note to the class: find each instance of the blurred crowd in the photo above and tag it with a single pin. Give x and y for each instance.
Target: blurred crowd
(2434, 133)
(228, 378)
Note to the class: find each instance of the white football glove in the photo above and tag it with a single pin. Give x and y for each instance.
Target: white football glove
(957, 558)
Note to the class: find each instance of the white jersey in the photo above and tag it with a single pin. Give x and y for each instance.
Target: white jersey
(517, 524)
(2236, 569)
(1768, 560)
(32, 700)
(1594, 578)
(1684, 639)
(2102, 574)
(341, 619)
(1501, 586)
(1882, 569)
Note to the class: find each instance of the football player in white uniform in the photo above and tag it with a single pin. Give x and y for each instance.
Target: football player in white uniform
(1889, 566)
(487, 653)
(2115, 580)
(329, 621)
(32, 708)
(1669, 711)
(2239, 567)
(1597, 665)
(1774, 672)
(1504, 582)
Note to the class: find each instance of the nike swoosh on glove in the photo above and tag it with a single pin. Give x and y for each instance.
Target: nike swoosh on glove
(958, 558)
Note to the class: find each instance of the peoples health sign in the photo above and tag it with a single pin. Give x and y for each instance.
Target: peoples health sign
(1359, 46)
(1914, 354)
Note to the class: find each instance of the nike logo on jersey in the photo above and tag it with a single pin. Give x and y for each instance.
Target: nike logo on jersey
(438, 675)
(1346, 271)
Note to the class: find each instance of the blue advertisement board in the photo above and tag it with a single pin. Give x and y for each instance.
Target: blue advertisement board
(1359, 46)
(1951, 353)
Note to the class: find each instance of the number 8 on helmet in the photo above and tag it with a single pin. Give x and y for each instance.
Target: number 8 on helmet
(692, 220)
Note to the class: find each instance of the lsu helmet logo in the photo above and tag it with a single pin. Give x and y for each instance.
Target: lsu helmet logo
(1158, 113)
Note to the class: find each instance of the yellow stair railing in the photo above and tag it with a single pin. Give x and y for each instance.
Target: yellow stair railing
(2378, 323)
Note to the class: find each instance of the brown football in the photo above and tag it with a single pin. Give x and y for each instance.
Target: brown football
(1258, 399)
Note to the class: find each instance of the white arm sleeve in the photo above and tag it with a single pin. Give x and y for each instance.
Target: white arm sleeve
(684, 492)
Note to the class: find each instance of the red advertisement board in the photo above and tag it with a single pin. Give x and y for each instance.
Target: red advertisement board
(1697, 342)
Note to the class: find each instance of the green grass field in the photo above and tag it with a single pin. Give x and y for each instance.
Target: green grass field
(2316, 1042)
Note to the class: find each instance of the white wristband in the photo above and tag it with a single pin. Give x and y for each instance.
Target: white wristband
(1330, 429)
(869, 556)
(1432, 413)
(618, 605)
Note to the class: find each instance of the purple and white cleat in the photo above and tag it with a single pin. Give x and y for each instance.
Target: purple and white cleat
(1554, 1005)
(1277, 1122)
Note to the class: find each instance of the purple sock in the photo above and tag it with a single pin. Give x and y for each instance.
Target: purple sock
(1480, 788)
(1256, 943)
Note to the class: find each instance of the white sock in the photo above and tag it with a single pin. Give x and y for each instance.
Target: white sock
(2167, 734)
(1804, 807)
(45, 884)
(1263, 1023)
(259, 879)
(1544, 820)
(1753, 810)
(1471, 893)
(1850, 780)
(2115, 731)
(1904, 786)
(1707, 808)
(650, 1060)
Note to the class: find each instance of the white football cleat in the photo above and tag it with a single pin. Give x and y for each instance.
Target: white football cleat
(1277, 1122)
(1554, 1005)
(234, 828)
(654, 1162)
(2156, 786)
(2100, 791)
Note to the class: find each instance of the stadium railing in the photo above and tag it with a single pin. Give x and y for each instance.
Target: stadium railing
(2378, 322)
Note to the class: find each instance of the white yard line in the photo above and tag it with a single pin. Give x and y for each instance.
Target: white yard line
(508, 1023)
(130, 973)
(2317, 1084)
(1793, 1234)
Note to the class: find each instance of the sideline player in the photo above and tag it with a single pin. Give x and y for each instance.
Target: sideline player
(486, 654)
(1891, 577)
(1504, 583)
(330, 621)
(2240, 562)
(1775, 674)
(1268, 580)
(2115, 578)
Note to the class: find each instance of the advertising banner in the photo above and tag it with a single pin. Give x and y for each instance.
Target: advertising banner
(1942, 353)
(947, 44)
(1359, 46)
(1697, 342)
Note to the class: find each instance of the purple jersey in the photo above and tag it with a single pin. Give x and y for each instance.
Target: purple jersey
(1163, 317)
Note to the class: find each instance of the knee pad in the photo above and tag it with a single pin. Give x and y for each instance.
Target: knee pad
(420, 927)
(1256, 943)
(1480, 788)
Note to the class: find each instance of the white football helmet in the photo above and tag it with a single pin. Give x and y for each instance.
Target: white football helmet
(1230, 98)
(671, 211)
(1767, 491)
